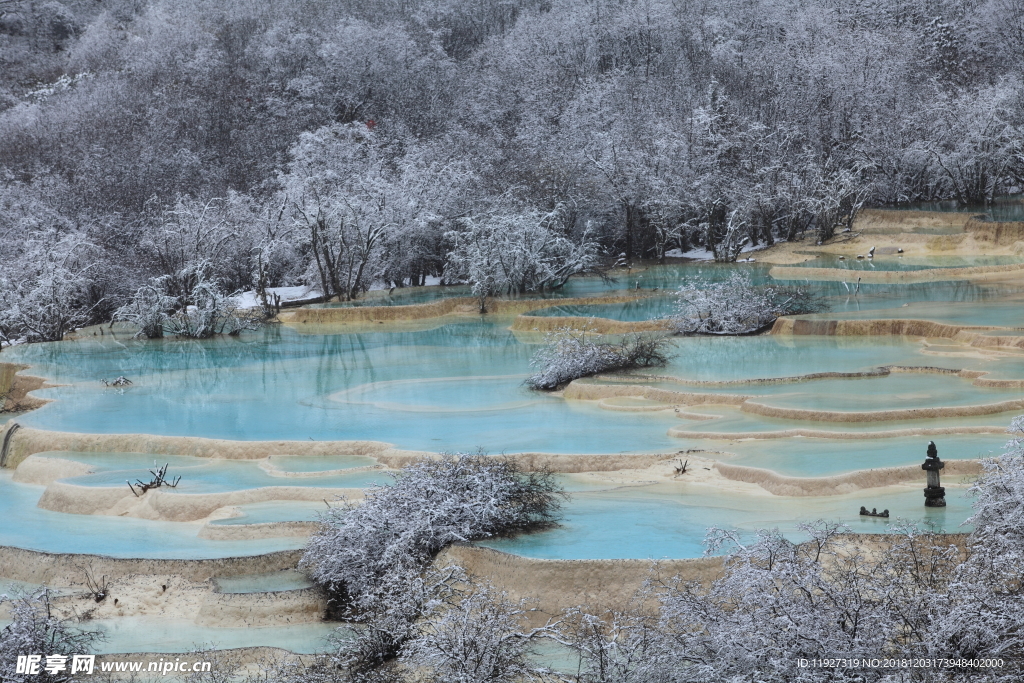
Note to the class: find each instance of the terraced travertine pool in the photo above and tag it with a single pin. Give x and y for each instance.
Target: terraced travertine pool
(458, 386)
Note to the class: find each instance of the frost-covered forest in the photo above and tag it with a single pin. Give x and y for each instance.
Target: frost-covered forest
(160, 147)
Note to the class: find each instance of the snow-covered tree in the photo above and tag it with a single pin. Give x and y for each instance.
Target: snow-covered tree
(42, 295)
(361, 206)
(430, 504)
(36, 630)
(200, 311)
(777, 602)
(517, 253)
(150, 129)
(736, 306)
(372, 557)
(206, 311)
(476, 638)
(977, 150)
(148, 310)
(621, 646)
(570, 354)
(982, 612)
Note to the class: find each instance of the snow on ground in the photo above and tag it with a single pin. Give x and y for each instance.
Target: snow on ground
(428, 281)
(251, 300)
(695, 254)
(705, 255)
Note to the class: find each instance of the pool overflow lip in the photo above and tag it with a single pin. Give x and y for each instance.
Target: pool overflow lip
(6, 445)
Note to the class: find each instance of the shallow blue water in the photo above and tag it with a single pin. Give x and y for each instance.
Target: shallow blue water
(278, 384)
(1002, 313)
(27, 526)
(284, 580)
(459, 387)
(274, 511)
(220, 476)
(658, 522)
(455, 388)
(838, 298)
(320, 463)
(813, 457)
(157, 634)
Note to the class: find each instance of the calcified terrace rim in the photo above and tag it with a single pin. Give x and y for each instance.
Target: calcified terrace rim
(554, 584)
(536, 323)
(28, 441)
(881, 371)
(65, 497)
(175, 589)
(453, 306)
(969, 335)
(683, 433)
(674, 399)
(895, 276)
(169, 506)
(65, 569)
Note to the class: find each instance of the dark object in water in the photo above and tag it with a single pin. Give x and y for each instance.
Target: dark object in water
(934, 493)
(874, 512)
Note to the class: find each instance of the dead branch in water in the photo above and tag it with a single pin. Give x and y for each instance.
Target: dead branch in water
(159, 479)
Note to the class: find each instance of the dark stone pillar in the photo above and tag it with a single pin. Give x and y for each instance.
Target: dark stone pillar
(934, 493)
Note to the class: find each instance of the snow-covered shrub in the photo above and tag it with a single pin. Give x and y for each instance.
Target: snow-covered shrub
(202, 310)
(919, 594)
(736, 306)
(148, 310)
(310, 669)
(570, 354)
(431, 504)
(34, 630)
(388, 614)
(207, 311)
(372, 557)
